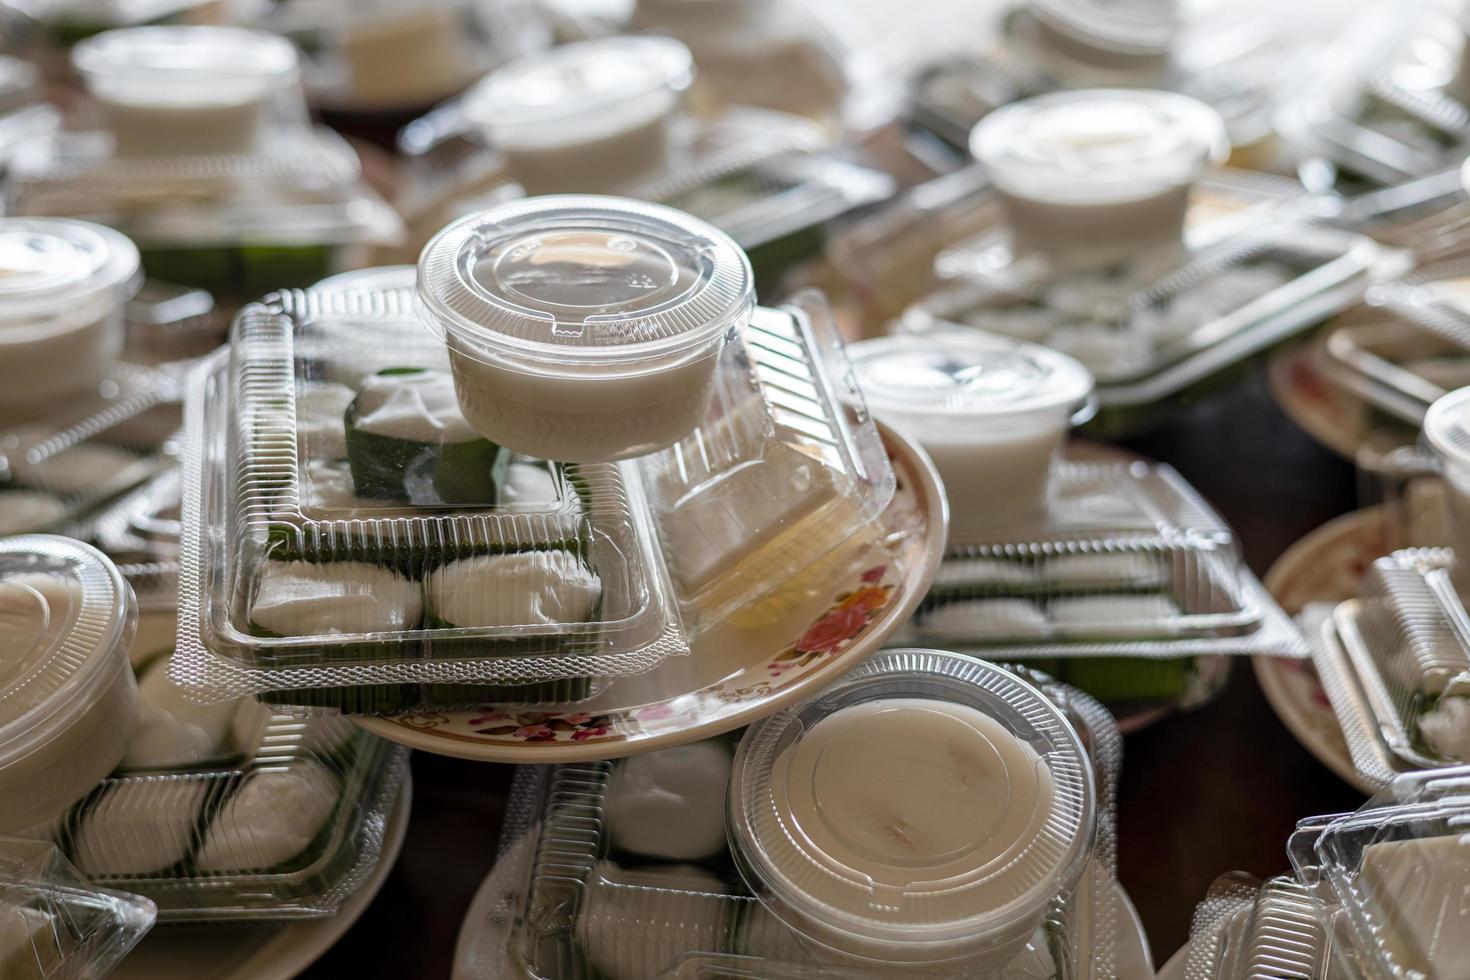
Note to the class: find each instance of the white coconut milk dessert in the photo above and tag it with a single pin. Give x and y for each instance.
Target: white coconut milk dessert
(63, 287)
(1093, 177)
(992, 415)
(168, 91)
(591, 116)
(68, 700)
(584, 329)
(928, 809)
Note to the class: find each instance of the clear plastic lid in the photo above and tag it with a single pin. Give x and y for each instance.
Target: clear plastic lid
(66, 620)
(930, 806)
(1099, 144)
(53, 266)
(963, 377)
(185, 65)
(582, 280)
(1447, 427)
(612, 82)
(1141, 27)
(372, 280)
(53, 923)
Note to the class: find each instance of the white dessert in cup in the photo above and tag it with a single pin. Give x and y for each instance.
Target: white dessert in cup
(584, 329)
(406, 55)
(186, 90)
(991, 413)
(589, 116)
(930, 808)
(1093, 177)
(63, 288)
(68, 700)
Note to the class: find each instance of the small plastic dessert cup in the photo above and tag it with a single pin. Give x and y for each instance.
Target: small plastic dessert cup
(1131, 38)
(1093, 177)
(63, 289)
(1447, 433)
(584, 329)
(991, 413)
(589, 116)
(928, 808)
(184, 90)
(68, 701)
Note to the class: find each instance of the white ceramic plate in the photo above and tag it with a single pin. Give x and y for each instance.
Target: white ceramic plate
(739, 671)
(262, 952)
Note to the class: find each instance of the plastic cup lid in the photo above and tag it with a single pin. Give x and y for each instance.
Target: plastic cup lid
(581, 278)
(49, 265)
(1447, 427)
(966, 375)
(66, 620)
(1099, 143)
(1144, 27)
(587, 78)
(1013, 831)
(185, 63)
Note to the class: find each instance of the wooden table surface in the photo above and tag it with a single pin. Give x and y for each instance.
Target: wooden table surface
(1212, 791)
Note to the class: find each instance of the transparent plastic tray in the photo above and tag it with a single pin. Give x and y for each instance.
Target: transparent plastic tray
(54, 924)
(1245, 929)
(235, 225)
(1392, 876)
(1126, 561)
(642, 928)
(140, 532)
(286, 825)
(260, 493)
(1245, 286)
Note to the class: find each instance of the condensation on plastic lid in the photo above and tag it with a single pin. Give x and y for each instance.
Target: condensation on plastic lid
(186, 61)
(966, 375)
(1447, 427)
(1014, 832)
(583, 278)
(49, 265)
(586, 78)
(1144, 27)
(1099, 143)
(66, 619)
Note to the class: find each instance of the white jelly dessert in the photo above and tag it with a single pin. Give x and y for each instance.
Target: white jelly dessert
(589, 116)
(621, 920)
(305, 599)
(188, 90)
(528, 485)
(173, 731)
(22, 511)
(987, 620)
(320, 410)
(1115, 615)
(63, 287)
(272, 818)
(531, 588)
(68, 700)
(891, 825)
(1091, 177)
(992, 415)
(138, 827)
(584, 329)
(1447, 432)
(1415, 892)
(967, 573)
(1112, 568)
(671, 804)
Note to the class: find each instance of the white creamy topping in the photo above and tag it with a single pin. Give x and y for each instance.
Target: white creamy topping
(527, 483)
(988, 618)
(174, 731)
(270, 819)
(533, 588)
(328, 494)
(320, 429)
(671, 804)
(140, 827)
(1114, 614)
(304, 599)
(419, 407)
(1446, 728)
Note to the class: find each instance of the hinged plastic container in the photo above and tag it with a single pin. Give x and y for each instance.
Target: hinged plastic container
(67, 698)
(1245, 930)
(53, 923)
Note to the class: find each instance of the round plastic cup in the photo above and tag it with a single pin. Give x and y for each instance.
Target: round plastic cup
(63, 287)
(927, 808)
(584, 329)
(1093, 177)
(166, 91)
(590, 116)
(1131, 37)
(991, 413)
(1447, 433)
(68, 701)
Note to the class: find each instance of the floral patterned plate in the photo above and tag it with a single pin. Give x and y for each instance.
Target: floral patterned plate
(1324, 566)
(743, 669)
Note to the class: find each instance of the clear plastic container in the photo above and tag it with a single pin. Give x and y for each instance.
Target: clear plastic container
(991, 413)
(833, 823)
(1088, 178)
(1245, 929)
(1447, 435)
(584, 329)
(1392, 876)
(320, 468)
(191, 91)
(1128, 39)
(67, 697)
(62, 296)
(228, 812)
(589, 116)
(53, 923)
